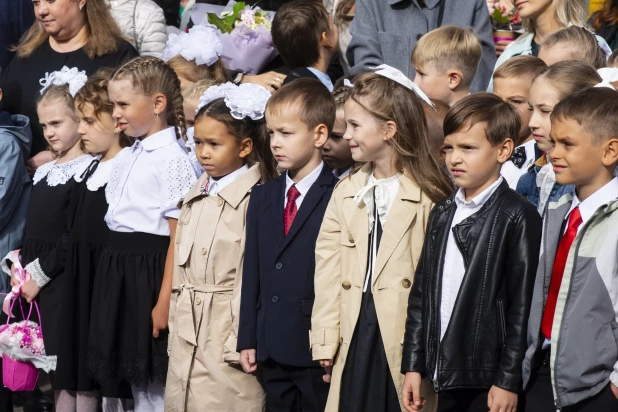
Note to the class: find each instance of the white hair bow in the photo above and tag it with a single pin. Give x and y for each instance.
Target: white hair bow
(397, 76)
(73, 77)
(348, 83)
(213, 93)
(609, 75)
(245, 100)
(201, 44)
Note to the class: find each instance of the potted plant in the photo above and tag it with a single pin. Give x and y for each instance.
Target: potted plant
(505, 22)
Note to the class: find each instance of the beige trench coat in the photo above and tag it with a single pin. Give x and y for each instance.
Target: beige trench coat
(204, 374)
(341, 265)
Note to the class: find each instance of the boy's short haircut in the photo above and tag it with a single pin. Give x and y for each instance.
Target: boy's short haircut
(448, 47)
(594, 109)
(520, 66)
(297, 29)
(612, 61)
(502, 120)
(315, 104)
(197, 89)
(583, 45)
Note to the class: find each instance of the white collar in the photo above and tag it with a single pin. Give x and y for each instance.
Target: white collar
(602, 196)
(59, 174)
(216, 186)
(342, 175)
(323, 77)
(306, 182)
(156, 141)
(480, 199)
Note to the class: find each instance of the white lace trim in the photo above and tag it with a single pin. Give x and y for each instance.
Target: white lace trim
(13, 256)
(100, 177)
(36, 273)
(111, 193)
(178, 177)
(60, 174)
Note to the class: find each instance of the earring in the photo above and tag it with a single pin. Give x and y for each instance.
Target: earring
(157, 114)
(80, 8)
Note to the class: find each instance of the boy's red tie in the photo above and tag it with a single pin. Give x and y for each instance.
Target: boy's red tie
(290, 209)
(575, 219)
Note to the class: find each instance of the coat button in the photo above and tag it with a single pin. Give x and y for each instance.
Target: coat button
(279, 265)
(346, 284)
(198, 301)
(275, 299)
(219, 202)
(406, 283)
(204, 251)
(350, 238)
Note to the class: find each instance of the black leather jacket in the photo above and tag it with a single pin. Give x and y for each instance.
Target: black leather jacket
(485, 342)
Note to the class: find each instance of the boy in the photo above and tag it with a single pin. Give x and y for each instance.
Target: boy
(283, 221)
(512, 82)
(445, 61)
(572, 361)
(573, 43)
(306, 39)
(467, 315)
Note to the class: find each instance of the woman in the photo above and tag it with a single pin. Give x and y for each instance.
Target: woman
(72, 33)
(605, 23)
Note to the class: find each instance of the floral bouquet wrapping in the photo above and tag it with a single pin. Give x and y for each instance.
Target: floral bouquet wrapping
(245, 34)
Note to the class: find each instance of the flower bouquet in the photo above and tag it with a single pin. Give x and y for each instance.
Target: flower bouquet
(506, 23)
(245, 34)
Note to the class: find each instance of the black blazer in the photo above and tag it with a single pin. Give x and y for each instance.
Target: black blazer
(277, 289)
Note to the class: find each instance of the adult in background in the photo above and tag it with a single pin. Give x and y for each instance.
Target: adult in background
(15, 19)
(385, 32)
(342, 12)
(72, 33)
(605, 23)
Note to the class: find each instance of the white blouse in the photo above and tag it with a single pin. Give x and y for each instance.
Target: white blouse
(146, 183)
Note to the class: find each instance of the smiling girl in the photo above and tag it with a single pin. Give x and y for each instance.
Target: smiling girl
(554, 84)
(130, 305)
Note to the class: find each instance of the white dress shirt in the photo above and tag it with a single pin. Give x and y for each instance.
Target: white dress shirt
(303, 186)
(342, 175)
(323, 77)
(587, 208)
(454, 267)
(512, 173)
(146, 184)
(215, 186)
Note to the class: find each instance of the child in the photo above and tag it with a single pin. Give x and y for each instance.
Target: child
(191, 99)
(336, 151)
(512, 82)
(203, 369)
(469, 304)
(283, 219)
(195, 55)
(572, 43)
(133, 284)
(554, 84)
(369, 243)
(571, 362)
(435, 117)
(612, 61)
(307, 40)
(445, 61)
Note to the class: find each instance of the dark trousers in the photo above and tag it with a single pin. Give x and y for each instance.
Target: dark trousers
(540, 396)
(292, 389)
(462, 400)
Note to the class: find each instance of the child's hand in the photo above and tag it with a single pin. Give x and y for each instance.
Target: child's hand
(30, 290)
(160, 315)
(411, 392)
(501, 400)
(327, 364)
(614, 389)
(247, 360)
(14, 281)
(501, 45)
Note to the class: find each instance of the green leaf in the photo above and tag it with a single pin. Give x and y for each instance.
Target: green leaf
(238, 7)
(499, 18)
(221, 24)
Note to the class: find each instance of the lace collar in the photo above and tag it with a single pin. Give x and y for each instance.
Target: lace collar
(60, 174)
(101, 175)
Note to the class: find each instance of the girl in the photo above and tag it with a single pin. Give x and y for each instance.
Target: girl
(554, 84)
(336, 151)
(130, 304)
(191, 99)
(204, 373)
(47, 215)
(369, 243)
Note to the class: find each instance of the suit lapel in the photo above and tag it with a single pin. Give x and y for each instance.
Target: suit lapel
(276, 207)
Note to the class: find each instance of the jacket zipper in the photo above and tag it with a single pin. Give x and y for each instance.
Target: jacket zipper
(502, 320)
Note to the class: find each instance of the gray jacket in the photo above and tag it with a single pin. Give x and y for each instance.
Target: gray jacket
(386, 31)
(15, 183)
(584, 348)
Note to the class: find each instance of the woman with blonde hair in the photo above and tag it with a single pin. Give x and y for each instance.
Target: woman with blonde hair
(72, 33)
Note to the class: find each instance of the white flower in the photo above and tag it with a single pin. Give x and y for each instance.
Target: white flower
(201, 44)
(73, 77)
(215, 92)
(248, 99)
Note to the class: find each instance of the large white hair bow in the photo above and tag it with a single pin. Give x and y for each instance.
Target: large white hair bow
(213, 93)
(397, 76)
(73, 77)
(609, 75)
(201, 44)
(245, 100)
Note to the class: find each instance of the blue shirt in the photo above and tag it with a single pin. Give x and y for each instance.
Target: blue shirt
(323, 77)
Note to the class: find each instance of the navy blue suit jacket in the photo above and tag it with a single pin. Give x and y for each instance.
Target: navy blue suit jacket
(277, 289)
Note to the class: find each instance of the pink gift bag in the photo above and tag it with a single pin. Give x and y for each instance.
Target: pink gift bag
(18, 376)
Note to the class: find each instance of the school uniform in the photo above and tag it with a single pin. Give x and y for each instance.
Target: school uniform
(369, 243)
(145, 186)
(311, 73)
(520, 161)
(278, 291)
(204, 371)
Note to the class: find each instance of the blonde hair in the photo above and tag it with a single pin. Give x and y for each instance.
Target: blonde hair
(573, 12)
(102, 32)
(520, 66)
(62, 95)
(584, 45)
(198, 89)
(448, 47)
(567, 77)
(195, 72)
(151, 75)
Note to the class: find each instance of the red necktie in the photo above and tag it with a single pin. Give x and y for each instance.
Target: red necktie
(575, 219)
(289, 213)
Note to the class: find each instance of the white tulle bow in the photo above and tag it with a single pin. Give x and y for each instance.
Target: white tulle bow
(73, 77)
(397, 76)
(201, 43)
(609, 75)
(245, 100)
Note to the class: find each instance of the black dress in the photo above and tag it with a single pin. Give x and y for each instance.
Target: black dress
(20, 81)
(366, 383)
